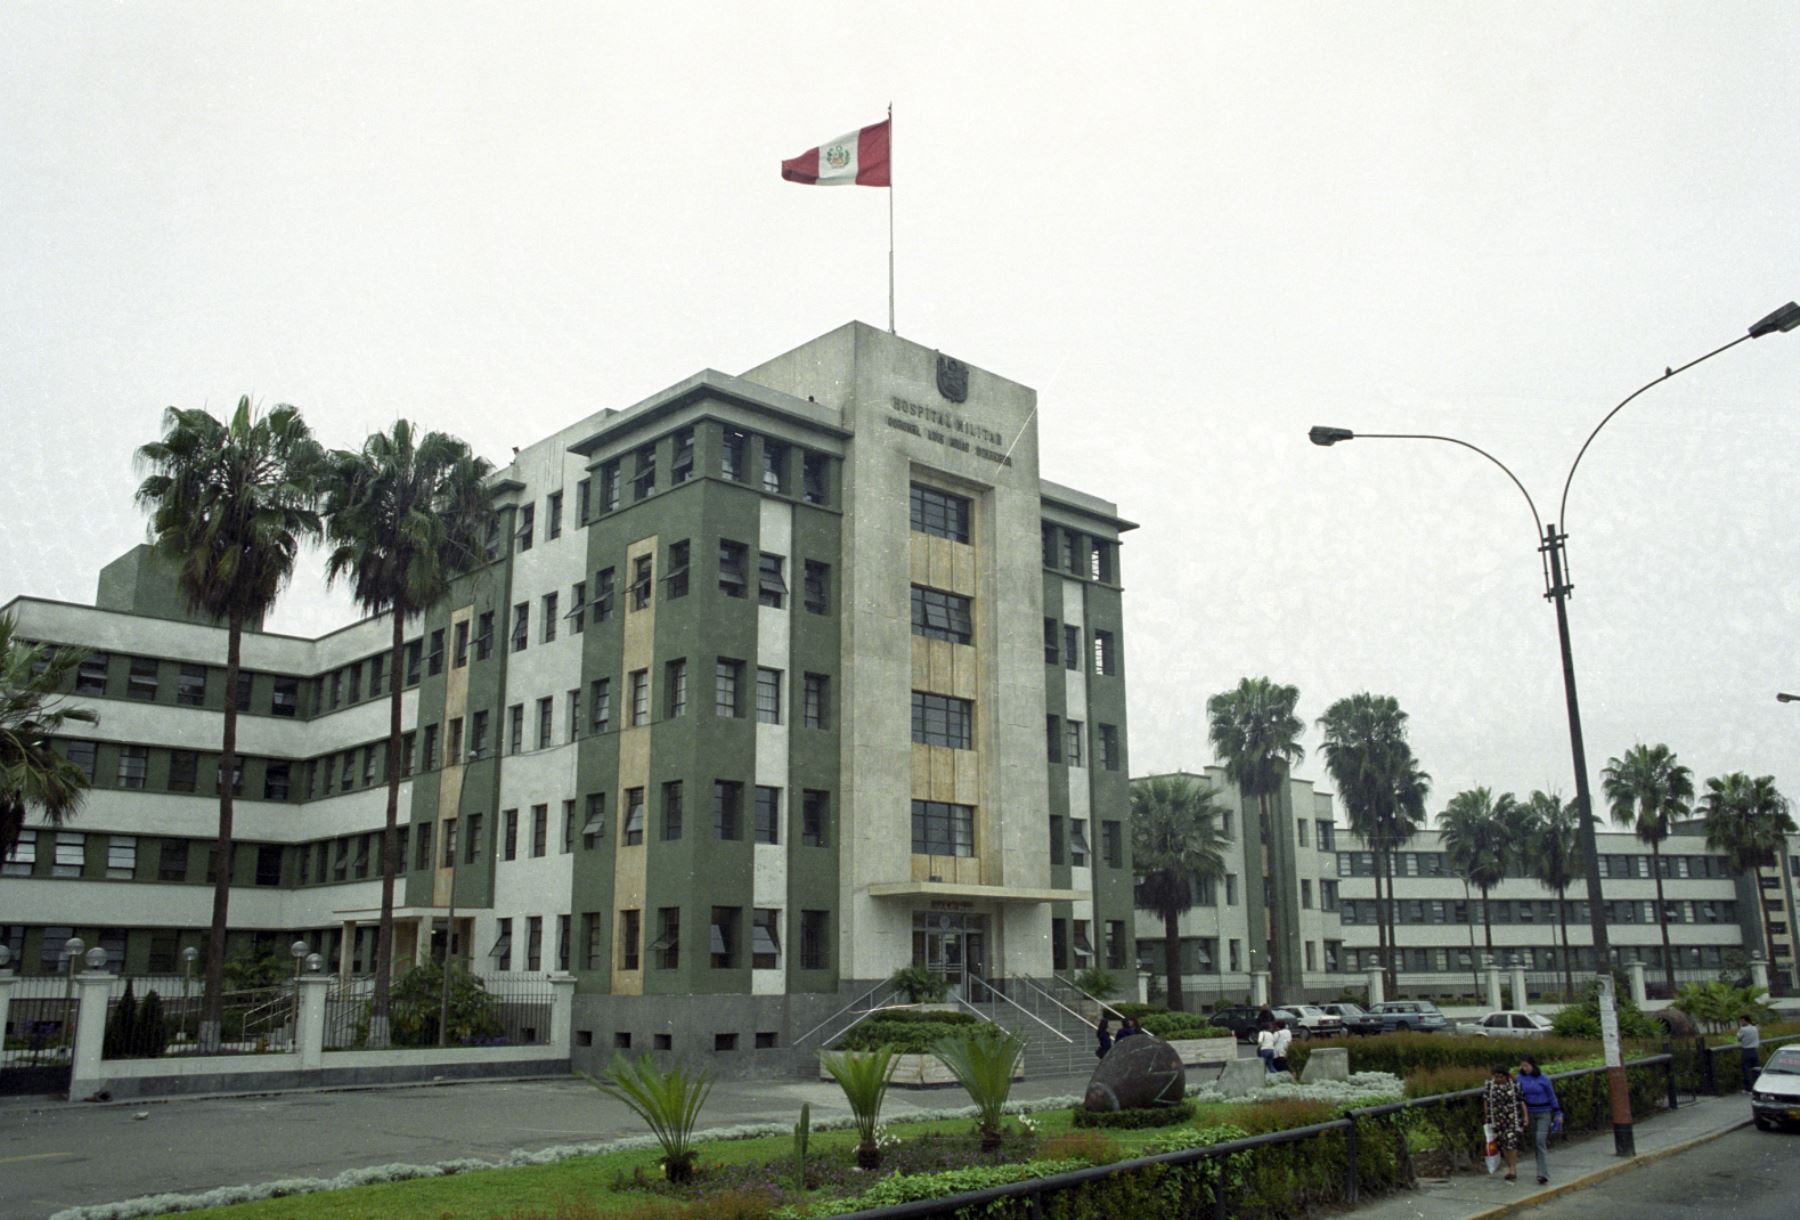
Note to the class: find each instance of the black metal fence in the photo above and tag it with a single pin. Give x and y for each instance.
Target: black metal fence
(1717, 1071)
(482, 1010)
(39, 1040)
(1365, 1152)
(142, 1022)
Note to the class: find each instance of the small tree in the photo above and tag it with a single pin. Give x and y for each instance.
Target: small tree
(418, 997)
(120, 1038)
(984, 1062)
(863, 1075)
(669, 1102)
(152, 1028)
(1097, 983)
(918, 985)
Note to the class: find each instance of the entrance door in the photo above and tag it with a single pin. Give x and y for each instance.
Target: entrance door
(953, 945)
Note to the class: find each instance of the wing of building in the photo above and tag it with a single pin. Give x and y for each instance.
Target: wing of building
(657, 740)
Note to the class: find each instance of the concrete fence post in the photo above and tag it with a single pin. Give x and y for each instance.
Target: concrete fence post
(1759, 971)
(1519, 999)
(1640, 994)
(93, 990)
(562, 1011)
(1377, 988)
(309, 1032)
(1259, 988)
(1493, 983)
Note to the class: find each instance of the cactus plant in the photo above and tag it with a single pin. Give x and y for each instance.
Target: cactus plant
(802, 1133)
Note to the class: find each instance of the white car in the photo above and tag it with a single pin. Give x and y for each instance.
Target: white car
(1311, 1021)
(1509, 1024)
(1776, 1097)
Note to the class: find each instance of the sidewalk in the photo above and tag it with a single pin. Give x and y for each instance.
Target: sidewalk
(1573, 1166)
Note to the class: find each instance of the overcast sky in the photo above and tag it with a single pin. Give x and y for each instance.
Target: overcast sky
(1196, 229)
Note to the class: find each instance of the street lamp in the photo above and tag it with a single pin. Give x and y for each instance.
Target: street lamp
(1782, 696)
(1556, 590)
(188, 957)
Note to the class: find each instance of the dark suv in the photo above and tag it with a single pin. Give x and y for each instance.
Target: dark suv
(1244, 1022)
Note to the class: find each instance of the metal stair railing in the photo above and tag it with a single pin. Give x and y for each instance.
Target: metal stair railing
(1000, 995)
(1084, 995)
(877, 990)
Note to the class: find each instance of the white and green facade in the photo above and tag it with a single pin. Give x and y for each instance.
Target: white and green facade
(772, 684)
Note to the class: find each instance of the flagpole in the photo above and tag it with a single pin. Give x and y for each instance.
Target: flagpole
(891, 329)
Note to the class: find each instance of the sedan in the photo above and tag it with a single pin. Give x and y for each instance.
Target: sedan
(1775, 1099)
(1419, 1016)
(1356, 1020)
(1509, 1025)
(1310, 1021)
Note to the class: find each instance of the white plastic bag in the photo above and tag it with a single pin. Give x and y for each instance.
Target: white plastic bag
(1492, 1147)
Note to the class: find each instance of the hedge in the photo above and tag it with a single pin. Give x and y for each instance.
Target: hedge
(1403, 1054)
(1171, 1025)
(909, 1033)
(1131, 1120)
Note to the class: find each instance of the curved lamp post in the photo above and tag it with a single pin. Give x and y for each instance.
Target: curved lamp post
(1556, 590)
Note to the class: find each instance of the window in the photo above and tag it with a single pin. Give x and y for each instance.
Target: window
(85, 755)
(247, 680)
(1071, 551)
(765, 938)
(634, 817)
(937, 615)
(545, 737)
(1300, 832)
(590, 936)
(641, 571)
(286, 698)
(812, 478)
(723, 941)
(584, 499)
(452, 748)
(732, 556)
(1056, 839)
(414, 651)
(121, 857)
(768, 814)
(1051, 635)
(1109, 747)
(1079, 851)
(562, 942)
(671, 810)
(603, 595)
(527, 520)
(1327, 836)
(1049, 534)
(534, 942)
(1073, 749)
(90, 675)
(502, 950)
(943, 720)
(1071, 646)
(347, 764)
(675, 688)
(568, 825)
(609, 487)
(515, 728)
(640, 696)
(478, 740)
(434, 665)
(577, 615)
(142, 683)
(71, 854)
(431, 750)
(768, 696)
(595, 824)
(1115, 943)
(1053, 738)
(509, 839)
(667, 945)
(817, 588)
(601, 691)
(521, 632)
(731, 455)
(460, 656)
(1112, 839)
(1306, 896)
(1328, 896)
(134, 764)
(774, 462)
(728, 676)
(276, 781)
(1310, 955)
(939, 513)
(813, 932)
(815, 703)
(377, 674)
(728, 805)
(815, 818)
(676, 578)
(1105, 654)
(940, 829)
(549, 612)
(190, 686)
(552, 523)
(771, 588)
(1236, 955)
(472, 849)
(421, 850)
(682, 468)
(1084, 948)
(644, 483)
(268, 863)
(172, 860)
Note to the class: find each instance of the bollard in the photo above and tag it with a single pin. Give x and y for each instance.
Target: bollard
(1351, 1185)
(1669, 1050)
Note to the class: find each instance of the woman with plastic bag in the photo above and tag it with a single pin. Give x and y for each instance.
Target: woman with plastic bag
(1504, 1113)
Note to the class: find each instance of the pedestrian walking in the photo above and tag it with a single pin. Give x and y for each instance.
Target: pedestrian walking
(1128, 1028)
(1505, 1114)
(1543, 1112)
(1749, 1050)
(1102, 1035)
(1283, 1037)
(1265, 1047)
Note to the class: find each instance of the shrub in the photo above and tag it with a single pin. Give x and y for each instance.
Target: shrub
(1262, 1117)
(1582, 1020)
(1131, 1008)
(983, 1062)
(919, 985)
(1428, 1082)
(1717, 1006)
(1402, 1054)
(668, 1101)
(1087, 1145)
(907, 1033)
(1171, 1025)
(1097, 983)
(417, 999)
(1132, 1120)
(120, 1037)
(864, 1076)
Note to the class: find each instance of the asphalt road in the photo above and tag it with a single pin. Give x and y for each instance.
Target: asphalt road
(1747, 1175)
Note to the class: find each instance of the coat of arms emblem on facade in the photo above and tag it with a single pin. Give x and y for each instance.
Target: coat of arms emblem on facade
(952, 378)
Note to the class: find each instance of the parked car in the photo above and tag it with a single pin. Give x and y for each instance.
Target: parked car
(1776, 1098)
(1508, 1024)
(1415, 1016)
(1310, 1021)
(1243, 1021)
(1356, 1019)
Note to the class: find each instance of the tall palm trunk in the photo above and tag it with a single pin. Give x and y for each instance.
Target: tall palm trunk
(1384, 934)
(1662, 919)
(213, 1012)
(1469, 919)
(384, 936)
(1487, 920)
(1562, 917)
(1280, 992)
(1393, 955)
(1172, 957)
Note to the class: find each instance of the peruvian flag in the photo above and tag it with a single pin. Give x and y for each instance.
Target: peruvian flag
(858, 159)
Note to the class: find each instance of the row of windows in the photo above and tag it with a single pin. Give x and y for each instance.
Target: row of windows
(94, 857)
(1063, 640)
(1064, 739)
(725, 940)
(604, 492)
(1540, 911)
(1535, 957)
(1078, 554)
(1617, 867)
(1200, 955)
(183, 684)
(1112, 842)
(1069, 942)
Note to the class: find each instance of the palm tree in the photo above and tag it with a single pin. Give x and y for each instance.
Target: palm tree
(1382, 788)
(1477, 827)
(1748, 820)
(230, 504)
(404, 519)
(32, 775)
(1648, 791)
(1550, 850)
(1255, 732)
(1175, 838)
